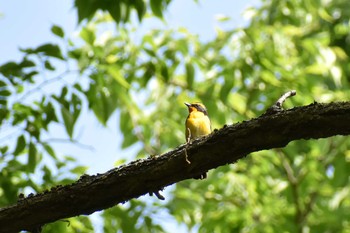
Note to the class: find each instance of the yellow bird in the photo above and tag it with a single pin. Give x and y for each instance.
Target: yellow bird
(197, 125)
(197, 122)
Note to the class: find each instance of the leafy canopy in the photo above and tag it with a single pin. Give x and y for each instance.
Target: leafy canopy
(301, 45)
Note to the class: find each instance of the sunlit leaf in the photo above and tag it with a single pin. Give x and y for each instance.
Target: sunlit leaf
(222, 18)
(79, 170)
(88, 35)
(117, 75)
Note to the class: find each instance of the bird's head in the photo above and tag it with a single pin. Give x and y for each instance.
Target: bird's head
(196, 107)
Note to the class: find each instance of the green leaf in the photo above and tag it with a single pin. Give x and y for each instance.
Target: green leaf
(78, 87)
(140, 6)
(150, 52)
(33, 129)
(64, 92)
(47, 177)
(79, 170)
(29, 76)
(190, 71)
(126, 127)
(57, 30)
(4, 114)
(86, 9)
(11, 69)
(32, 158)
(76, 101)
(2, 84)
(4, 149)
(225, 90)
(68, 121)
(48, 65)
(26, 63)
(75, 53)
(341, 166)
(50, 50)
(222, 18)
(164, 72)
(21, 144)
(70, 110)
(115, 11)
(125, 12)
(156, 7)
(50, 113)
(9, 190)
(149, 71)
(103, 95)
(4, 93)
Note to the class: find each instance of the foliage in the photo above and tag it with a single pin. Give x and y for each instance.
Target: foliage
(301, 45)
(120, 10)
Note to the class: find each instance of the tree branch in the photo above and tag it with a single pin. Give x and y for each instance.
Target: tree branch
(227, 145)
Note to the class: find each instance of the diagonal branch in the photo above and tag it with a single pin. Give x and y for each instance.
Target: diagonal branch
(227, 145)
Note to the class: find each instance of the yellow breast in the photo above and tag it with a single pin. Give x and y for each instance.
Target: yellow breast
(197, 125)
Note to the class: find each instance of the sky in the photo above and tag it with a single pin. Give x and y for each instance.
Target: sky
(26, 24)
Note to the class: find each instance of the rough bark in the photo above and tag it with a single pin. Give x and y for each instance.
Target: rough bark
(227, 145)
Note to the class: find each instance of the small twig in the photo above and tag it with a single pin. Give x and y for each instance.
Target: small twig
(186, 147)
(294, 183)
(277, 107)
(43, 84)
(186, 155)
(157, 194)
(283, 98)
(10, 135)
(309, 204)
(288, 169)
(73, 141)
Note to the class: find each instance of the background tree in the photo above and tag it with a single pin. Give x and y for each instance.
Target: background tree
(301, 45)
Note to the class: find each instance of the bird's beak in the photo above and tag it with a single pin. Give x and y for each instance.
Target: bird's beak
(187, 104)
